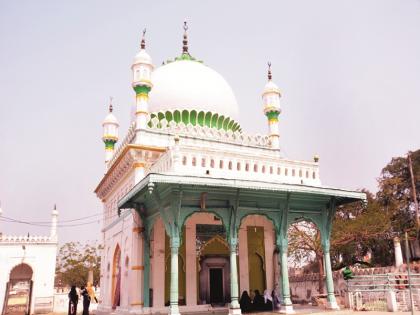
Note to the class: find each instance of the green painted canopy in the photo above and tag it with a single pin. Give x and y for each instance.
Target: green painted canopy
(158, 191)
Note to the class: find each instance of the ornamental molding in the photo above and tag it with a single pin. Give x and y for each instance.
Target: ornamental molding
(132, 155)
(207, 133)
(22, 239)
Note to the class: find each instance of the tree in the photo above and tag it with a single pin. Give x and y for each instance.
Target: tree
(395, 191)
(74, 261)
(357, 229)
(360, 228)
(305, 248)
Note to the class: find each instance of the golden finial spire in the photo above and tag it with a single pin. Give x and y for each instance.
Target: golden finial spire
(185, 41)
(143, 41)
(269, 71)
(110, 104)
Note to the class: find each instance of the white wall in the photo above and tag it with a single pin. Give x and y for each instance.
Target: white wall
(41, 257)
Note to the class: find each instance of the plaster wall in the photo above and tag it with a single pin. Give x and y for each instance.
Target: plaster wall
(117, 231)
(41, 257)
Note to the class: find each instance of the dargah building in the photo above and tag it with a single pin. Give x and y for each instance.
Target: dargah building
(196, 210)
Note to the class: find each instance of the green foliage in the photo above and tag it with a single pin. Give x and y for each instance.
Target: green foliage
(74, 261)
(395, 191)
(360, 229)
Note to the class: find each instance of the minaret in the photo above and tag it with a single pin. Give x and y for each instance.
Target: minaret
(110, 133)
(54, 217)
(142, 71)
(271, 100)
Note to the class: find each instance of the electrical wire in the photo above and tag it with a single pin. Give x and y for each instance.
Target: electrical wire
(59, 223)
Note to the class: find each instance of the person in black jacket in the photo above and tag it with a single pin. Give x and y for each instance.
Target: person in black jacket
(258, 302)
(245, 302)
(86, 301)
(73, 300)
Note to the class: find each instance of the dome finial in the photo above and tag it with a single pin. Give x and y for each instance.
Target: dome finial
(143, 41)
(111, 108)
(269, 71)
(185, 41)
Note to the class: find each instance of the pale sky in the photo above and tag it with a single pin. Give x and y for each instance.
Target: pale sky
(349, 72)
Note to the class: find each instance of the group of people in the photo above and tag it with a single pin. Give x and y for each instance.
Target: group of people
(255, 302)
(88, 295)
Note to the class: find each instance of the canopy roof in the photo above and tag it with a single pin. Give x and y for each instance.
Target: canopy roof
(221, 191)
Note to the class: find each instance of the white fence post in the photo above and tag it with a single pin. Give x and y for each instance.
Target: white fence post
(391, 301)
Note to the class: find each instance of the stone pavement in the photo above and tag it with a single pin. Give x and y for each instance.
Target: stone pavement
(298, 309)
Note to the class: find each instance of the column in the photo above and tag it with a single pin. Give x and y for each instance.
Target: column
(243, 254)
(398, 252)
(331, 301)
(137, 270)
(146, 275)
(234, 307)
(158, 267)
(191, 264)
(287, 306)
(173, 297)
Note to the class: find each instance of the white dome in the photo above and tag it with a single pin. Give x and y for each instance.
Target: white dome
(190, 85)
(110, 119)
(142, 57)
(271, 87)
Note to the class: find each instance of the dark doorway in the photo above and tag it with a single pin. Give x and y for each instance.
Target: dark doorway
(216, 286)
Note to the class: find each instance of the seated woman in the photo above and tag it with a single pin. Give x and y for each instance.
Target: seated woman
(268, 301)
(245, 302)
(258, 302)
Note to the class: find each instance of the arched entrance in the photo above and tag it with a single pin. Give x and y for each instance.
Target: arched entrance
(214, 275)
(19, 291)
(257, 250)
(116, 278)
(306, 254)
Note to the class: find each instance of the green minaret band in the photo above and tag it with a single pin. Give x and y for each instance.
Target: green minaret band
(273, 115)
(142, 89)
(109, 144)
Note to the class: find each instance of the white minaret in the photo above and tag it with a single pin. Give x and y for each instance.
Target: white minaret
(54, 219)
(142, 75)
(271, 101)
(110, 133)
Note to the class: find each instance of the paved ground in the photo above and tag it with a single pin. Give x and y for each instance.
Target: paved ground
(299, 310)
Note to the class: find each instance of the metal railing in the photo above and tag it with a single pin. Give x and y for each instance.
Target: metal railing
(369, 292)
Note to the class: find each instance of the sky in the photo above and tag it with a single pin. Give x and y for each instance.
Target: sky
(349, 73)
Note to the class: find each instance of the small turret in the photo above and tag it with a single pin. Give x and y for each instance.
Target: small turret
(54, 219)
(110, 133)
(271, 101)
(142, 72)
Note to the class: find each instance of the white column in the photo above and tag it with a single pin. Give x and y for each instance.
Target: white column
(191, 264)
(142, 110)
(274, 133)
(54, 219)
(109, 152)
(398, 252)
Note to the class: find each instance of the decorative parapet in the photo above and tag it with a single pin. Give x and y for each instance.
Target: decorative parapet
(205, 132)
(19, 239)
(126, 141)
(221, 164)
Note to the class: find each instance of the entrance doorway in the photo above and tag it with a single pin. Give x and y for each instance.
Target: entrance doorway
(216, 286)
(19, 291)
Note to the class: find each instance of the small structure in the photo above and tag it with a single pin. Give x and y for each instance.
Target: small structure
(27, 265)
(196, 210)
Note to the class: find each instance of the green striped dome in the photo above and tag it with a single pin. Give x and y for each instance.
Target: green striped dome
(197, 118)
